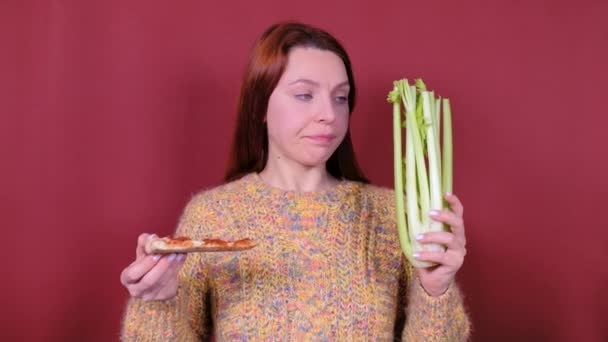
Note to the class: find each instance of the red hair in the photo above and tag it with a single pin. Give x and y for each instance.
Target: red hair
(266, 66)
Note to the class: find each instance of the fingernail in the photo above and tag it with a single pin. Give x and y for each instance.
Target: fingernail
(434, 212)
(181, 257)
(416, 255)
(172, 257)
(419, 237)
(156, 257)
(448, 194)
(151, 236)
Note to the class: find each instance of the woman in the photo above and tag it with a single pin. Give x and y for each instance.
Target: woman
(328, 265)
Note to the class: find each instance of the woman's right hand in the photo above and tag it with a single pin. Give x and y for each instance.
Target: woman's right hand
(152, 277)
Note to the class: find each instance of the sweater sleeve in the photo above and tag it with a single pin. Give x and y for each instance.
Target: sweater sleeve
(185, 317)
(428, 318)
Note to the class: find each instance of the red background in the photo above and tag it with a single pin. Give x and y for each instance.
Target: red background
(115, 112)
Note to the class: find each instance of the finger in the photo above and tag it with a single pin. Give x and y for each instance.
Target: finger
(441, 258)
(450, 218)
(442, 238)
(138, 269)
(140, 252)
(152, 279)
(175, 265)
(150, 283)
(167, 282)
(455, 204)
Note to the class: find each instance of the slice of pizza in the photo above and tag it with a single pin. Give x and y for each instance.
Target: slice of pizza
(168, 245)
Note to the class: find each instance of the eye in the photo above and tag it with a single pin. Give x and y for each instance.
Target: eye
(304, 97)
(342, 99)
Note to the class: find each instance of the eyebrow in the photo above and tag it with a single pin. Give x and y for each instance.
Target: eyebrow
(314, 83)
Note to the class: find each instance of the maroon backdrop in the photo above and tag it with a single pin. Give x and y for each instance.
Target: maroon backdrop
(115, 112)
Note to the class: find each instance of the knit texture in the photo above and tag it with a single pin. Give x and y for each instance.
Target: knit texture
(327, 267)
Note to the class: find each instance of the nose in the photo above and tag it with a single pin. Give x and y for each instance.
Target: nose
(326, 111)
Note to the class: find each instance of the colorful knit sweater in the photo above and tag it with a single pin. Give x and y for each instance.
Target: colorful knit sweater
(327, 267)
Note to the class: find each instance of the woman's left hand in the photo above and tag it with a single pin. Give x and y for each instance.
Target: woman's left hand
(437, 279)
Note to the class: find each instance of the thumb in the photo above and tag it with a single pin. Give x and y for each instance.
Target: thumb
(140, 252)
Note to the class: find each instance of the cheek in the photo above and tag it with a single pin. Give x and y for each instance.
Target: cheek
(281, 123)
(342, 123)
(278, 130)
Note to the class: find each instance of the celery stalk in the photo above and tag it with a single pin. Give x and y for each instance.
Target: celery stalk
(424, 188)
(436, 198)
(399, 201)
(447, 146)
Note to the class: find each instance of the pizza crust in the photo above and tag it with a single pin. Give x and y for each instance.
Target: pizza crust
(168, 245)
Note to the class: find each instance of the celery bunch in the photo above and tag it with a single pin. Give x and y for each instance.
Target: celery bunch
(428, 168)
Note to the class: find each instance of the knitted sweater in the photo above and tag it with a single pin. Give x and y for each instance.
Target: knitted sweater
(327, 267)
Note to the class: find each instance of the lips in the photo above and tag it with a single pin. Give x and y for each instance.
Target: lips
(322, 139)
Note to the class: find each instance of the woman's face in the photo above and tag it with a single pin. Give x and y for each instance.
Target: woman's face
(308, 112)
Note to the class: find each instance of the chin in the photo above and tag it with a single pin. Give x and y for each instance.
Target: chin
(312, 156)
(313, 161)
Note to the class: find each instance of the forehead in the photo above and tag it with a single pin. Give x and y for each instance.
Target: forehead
(311, 63)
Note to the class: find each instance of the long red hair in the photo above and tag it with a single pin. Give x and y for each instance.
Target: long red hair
(266, 66)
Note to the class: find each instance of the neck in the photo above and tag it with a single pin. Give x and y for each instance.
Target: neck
(297, 178)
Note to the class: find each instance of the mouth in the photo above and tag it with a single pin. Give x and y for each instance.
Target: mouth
(321, 139)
